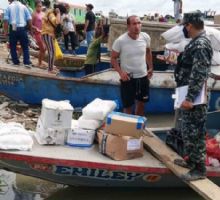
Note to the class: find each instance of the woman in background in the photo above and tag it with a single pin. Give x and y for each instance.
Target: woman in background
(37, 29)
(50, 20)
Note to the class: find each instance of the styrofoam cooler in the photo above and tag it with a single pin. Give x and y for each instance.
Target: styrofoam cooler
(79, 137)
(46, 135)
(56, 114)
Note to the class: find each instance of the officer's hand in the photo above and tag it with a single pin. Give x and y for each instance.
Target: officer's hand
(187, 105)
(124, 76)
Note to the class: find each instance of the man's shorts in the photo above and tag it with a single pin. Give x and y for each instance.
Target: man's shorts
(134, 89)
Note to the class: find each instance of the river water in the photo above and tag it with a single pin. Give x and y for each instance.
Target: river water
(18, 187)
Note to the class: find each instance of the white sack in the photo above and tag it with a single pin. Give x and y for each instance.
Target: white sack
(90, 124)
(13, 136)
(174, 35)
(216, 58)
(214, 36)
(180, 46)
(98, 109)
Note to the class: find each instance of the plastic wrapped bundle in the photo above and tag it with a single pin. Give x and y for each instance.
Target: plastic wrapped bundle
(98, 109)
(13, 136)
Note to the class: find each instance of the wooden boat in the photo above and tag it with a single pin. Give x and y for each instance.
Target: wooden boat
(33, 85)
(87, 167)
(76, 62)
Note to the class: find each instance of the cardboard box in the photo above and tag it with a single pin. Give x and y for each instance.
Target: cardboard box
(120, 147)
(124, 124)
(78, 137)
(56, 114)
(55, 136)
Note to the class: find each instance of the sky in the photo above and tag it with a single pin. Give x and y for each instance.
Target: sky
(141, 7)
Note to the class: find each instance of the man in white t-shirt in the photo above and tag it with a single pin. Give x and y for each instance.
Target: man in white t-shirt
(178, 4)
(135, 68)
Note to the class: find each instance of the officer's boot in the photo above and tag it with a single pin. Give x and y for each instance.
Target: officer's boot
(199, 172)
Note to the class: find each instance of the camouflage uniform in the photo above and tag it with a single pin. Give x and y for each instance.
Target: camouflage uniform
(192, 69)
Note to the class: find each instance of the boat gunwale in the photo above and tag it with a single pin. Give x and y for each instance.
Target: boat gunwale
(211, 172)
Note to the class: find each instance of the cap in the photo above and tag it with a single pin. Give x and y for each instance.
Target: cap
(90, 6)
(192, 17)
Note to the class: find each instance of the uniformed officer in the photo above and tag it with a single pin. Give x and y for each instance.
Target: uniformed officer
(193, 69)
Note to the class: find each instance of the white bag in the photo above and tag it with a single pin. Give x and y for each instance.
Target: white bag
(13, 136)
(216, 58)
(214, 36)
(174, 34)
(91, 124)
(180, 46)
(98, 109)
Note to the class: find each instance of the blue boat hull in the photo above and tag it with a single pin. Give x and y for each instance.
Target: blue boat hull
(31, 88)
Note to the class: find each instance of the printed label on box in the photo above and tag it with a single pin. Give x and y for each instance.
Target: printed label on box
(133, 144)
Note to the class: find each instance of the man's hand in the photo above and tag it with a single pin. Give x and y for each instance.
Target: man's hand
(187, 105)
(149, 73)
(124, 76)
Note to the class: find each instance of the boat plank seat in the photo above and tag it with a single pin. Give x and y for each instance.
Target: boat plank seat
(206, 188)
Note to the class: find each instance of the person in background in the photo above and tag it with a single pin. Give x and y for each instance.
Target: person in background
(18, 18)
(69, 30)
(89, 27)
(178, 5)
(136, 67)
(99, 27)
(50, 20)
(94, 52)
(192, 69)
(37, 28)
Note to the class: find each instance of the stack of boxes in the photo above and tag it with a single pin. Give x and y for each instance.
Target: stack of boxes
(121, 138)
(54, 123)
(93, 115)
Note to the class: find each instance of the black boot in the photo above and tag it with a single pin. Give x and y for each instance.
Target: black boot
(194, 174)
(183, 163)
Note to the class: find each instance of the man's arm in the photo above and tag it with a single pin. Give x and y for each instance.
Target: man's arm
(149, 62)
(114, 62)
(86, 25)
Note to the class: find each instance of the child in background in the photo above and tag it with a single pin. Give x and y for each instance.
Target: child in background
(93, 53)
(37, 28)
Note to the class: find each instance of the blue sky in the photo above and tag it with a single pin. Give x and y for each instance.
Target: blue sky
(141, 7)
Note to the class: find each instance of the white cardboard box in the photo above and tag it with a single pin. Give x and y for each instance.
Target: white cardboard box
(55, 136)
(79, 137)
(56, 114)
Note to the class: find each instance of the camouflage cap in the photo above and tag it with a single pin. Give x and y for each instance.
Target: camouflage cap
(192, 17)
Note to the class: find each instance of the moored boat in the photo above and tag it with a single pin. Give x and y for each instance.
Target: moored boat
(87, 167)
(33, 85)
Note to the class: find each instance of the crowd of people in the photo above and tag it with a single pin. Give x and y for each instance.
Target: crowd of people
(45, 24)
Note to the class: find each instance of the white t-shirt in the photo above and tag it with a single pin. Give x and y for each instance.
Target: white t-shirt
(133, 53)
(68, 23)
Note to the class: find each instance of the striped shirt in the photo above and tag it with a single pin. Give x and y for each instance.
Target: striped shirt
(17, 13)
